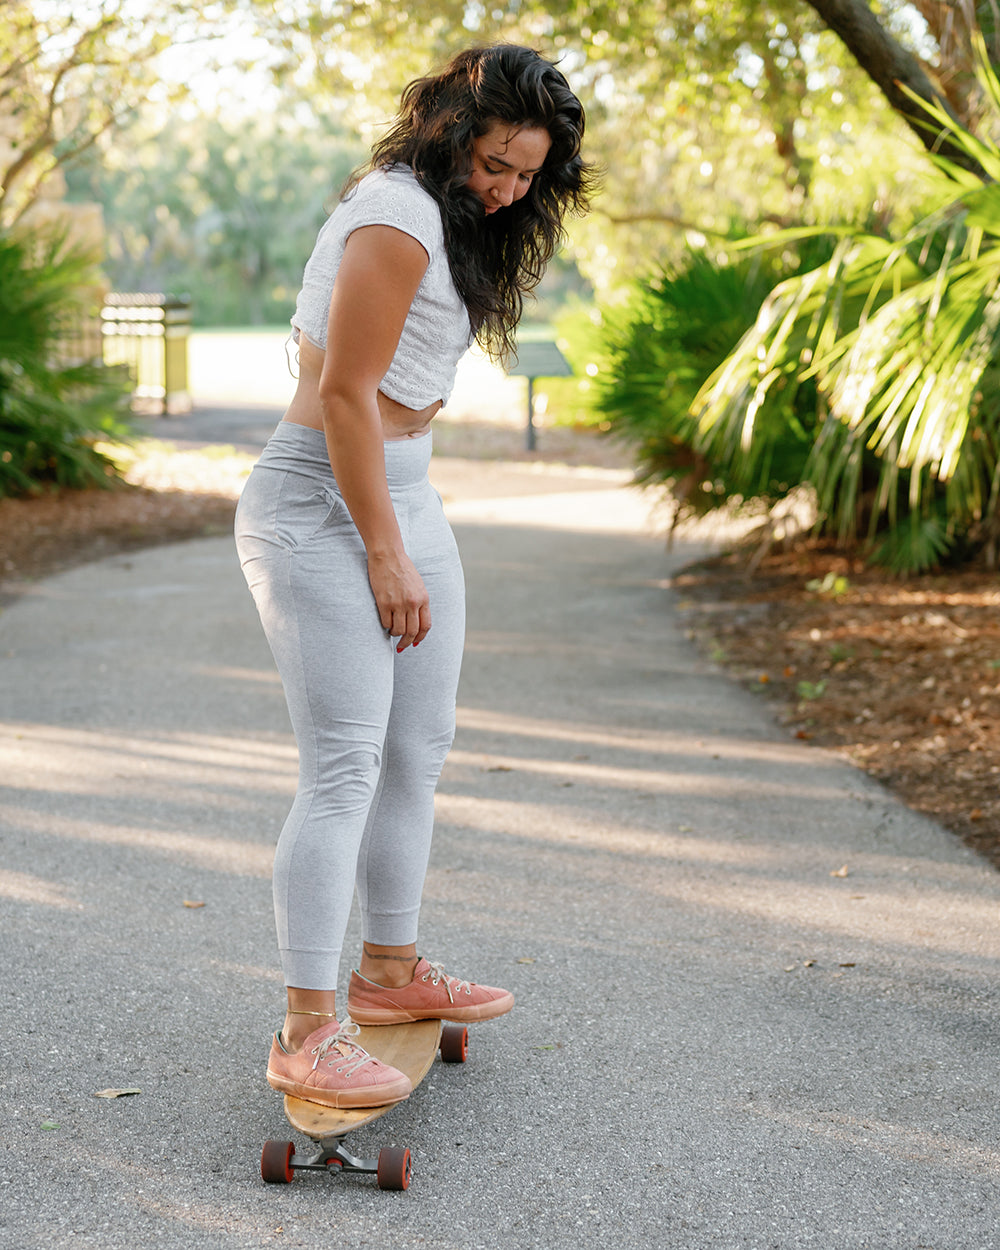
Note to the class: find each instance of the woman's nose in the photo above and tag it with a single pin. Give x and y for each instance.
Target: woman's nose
(504, 191)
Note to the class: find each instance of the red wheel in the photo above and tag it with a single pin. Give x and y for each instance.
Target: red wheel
(454, 1043)
(276, 1162)
(394, 1168)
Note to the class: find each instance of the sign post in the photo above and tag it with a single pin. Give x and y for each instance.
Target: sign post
(537, 360)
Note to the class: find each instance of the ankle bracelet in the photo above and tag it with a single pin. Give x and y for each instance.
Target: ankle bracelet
(326, 1015)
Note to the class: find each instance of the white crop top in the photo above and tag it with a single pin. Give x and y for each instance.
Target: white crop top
(437, 331)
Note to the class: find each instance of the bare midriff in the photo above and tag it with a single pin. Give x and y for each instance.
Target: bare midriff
(398, 421)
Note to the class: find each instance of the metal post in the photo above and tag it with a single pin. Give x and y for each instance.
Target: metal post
(537, 359)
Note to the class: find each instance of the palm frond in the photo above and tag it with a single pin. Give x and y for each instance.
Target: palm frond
(902, 339)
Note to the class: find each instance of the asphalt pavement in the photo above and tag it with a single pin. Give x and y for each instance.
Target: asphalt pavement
(757, 997)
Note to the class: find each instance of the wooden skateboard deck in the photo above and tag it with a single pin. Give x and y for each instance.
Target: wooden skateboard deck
(409, 1047)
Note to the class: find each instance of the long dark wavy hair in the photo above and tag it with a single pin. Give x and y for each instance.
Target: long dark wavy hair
(495, 259)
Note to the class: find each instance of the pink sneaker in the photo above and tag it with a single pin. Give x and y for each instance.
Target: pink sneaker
(332, 1069)
(431, 995)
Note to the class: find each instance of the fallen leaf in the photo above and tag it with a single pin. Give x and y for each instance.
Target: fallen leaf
(192, 903)
(847, 965)
(115, 1093)
(764, 678)
(840, 872)
(49, 1125)
(500, 768)
(976, 813)
(525, 959)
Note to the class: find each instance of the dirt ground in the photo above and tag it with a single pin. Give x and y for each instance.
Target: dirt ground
(903, 678)
(169, 497)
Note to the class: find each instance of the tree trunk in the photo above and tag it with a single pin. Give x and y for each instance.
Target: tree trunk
(889, 65)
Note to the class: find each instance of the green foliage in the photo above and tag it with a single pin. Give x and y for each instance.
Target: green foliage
(808, 691)
(832, 585)
(699, 111)
(69, 73)
(53, 408)
(658, 350)
(918, 543)
(225, 212)
(902, 338)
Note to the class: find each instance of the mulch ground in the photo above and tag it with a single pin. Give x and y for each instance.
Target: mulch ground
(52, 533)
(902, 677)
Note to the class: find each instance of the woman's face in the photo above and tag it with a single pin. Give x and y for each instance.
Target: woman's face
(504, 161)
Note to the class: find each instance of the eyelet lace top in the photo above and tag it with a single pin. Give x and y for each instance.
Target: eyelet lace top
(437, 330)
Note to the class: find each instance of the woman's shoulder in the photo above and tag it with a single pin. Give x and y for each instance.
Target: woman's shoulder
(394, 196)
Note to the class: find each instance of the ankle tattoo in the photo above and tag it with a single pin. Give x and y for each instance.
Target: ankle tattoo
(400, 959)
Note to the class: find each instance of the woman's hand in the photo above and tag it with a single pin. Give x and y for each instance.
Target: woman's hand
(401, 597)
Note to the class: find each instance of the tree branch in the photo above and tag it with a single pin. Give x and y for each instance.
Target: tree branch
(888, 64)
(30, 196)
(670, 219)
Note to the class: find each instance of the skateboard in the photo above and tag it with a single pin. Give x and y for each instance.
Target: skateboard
(409, 1047)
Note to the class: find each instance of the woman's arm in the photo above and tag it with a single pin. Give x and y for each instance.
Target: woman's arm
(377, 279)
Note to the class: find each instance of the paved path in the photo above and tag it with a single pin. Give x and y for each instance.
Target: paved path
(720, 1041)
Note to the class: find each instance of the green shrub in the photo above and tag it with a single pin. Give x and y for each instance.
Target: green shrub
(53, 409)
(900, 332)
(658, 349)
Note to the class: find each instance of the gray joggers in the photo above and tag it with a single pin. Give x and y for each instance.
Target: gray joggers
(373, 727)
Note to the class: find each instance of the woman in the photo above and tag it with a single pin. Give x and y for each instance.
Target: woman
(352, 565)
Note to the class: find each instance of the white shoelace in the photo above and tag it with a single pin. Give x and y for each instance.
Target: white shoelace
(436, 974)
(353, 1059)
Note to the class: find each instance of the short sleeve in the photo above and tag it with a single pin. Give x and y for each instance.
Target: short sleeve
(387, 200)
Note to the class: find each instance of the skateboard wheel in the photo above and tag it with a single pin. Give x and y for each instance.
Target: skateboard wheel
(276, 1162)
(454, 1043)
(394, 1168)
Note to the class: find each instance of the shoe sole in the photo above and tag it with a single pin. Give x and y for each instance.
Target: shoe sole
(461, 1015)
(340, 1099)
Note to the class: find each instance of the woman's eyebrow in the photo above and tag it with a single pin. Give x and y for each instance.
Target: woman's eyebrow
(498, 160)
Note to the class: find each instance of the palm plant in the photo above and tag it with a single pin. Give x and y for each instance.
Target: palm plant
(902, 339)
(658, 349)
(52, 410)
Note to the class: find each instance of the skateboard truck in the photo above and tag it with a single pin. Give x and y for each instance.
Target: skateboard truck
(279, 1163)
